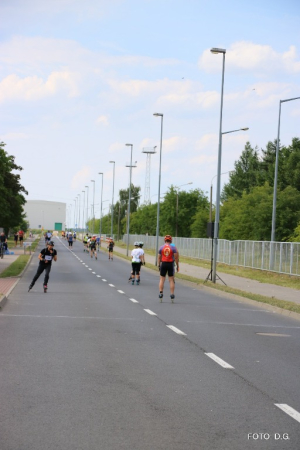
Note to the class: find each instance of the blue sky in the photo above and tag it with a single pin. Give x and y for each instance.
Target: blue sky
(79, 79)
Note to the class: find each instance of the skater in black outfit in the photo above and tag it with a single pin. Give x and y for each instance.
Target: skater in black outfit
(46, 257)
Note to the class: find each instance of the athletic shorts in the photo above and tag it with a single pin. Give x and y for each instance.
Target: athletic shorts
(110, 249)
(167, 268)
(136, 268)
(93, 247)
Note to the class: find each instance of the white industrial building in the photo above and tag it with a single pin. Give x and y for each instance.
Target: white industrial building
(45, 215)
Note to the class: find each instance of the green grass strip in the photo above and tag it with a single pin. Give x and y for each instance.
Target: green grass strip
(290, 306)
(15, 268)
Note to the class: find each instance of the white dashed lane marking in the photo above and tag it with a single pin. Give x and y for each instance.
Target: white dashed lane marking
(176, 330)
(150, 312)
(289, 410)
(219, 361)
(103, 279)
(133, 300)
(111, 285)
(121, 292)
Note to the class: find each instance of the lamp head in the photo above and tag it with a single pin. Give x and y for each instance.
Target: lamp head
(158, 115)
(244, 129)
(217, 50)
(128, 145)
(112, 162)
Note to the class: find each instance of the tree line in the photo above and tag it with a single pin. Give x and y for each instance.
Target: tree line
(12, 215)
(246, 202)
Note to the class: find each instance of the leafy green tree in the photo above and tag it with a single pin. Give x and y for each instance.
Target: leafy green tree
(250, 217)
(11, 191)
(177, 211)
(246, 174)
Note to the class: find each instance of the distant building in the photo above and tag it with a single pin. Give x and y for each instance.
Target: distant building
(45, 215)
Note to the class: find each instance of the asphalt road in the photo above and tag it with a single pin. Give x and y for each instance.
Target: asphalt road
(93, 365)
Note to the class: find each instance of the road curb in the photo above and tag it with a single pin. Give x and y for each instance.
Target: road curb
(4, 298)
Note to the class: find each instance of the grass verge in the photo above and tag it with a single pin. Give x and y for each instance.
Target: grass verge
(16, 268)
(290, 306)
(253, 274)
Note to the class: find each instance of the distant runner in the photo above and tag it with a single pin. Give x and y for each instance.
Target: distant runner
(166, 256)
(46, 257)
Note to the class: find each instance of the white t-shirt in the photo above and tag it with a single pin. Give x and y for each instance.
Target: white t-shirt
(136, 254)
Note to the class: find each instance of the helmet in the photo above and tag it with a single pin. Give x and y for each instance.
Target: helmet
(136, 244)
(51, 243)
(168, 238)
(141, 244)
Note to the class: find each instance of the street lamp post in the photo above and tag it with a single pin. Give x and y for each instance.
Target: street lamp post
(78, 211)
(87, 208)
(100, 230)
(276, 169)
(178, 187)
(75, 200)
(112, 203)
(83, 227)
(211, 195)
(216, 231)
(159, 180)
(217, 215)
(128, 214)
(93, 181)
(275, 183)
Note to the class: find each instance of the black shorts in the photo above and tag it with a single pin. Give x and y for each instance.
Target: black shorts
(167, 268)
(136, 267)
(110, 249)
(93, 247)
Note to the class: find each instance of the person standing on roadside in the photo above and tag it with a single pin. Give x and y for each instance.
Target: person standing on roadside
(16, 237)
(166, 256)
(3, 241)
(46, 257)
(21, 237)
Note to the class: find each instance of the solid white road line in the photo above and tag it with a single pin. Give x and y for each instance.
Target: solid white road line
(289, 410)
(219, 361)
(150, 312)
(121, 292)
(176, 330)
(133, 300)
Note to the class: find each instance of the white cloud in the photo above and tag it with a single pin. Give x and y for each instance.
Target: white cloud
(81, 178)
(102, 120)
(249, 56)
(34, 88)
(14, 136)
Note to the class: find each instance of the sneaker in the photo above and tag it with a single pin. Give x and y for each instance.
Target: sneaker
(172, 297)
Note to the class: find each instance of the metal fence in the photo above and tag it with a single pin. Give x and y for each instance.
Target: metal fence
(252, 254)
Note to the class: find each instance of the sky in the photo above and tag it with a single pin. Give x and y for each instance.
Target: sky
(80, 79)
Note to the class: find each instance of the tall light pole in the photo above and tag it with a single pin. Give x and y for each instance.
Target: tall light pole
(83, 227)
(178, 187)
(93, 181)
(129, 197)
(87, 208)
(159, 179)
(78, 211)
(100, 230)
(217, 215)
(75, 199)
(112, 203)
(211, 195)
(276, 170)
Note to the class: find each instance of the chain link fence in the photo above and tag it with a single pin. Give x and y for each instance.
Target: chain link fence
(281, 257)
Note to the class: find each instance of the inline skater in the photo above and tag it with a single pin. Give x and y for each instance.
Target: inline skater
(110, 247)
(166, 256)
(46, 257)
(93, 247)
(137, 255)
